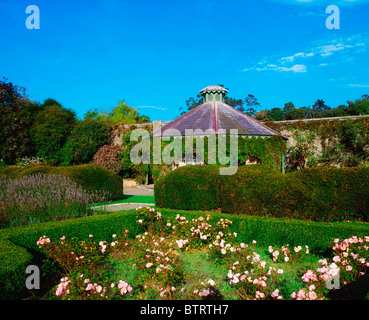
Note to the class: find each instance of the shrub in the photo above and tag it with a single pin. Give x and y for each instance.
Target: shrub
(21, 241)
(15, 122)
(41, 197)
(108, 156)
(320, 194)
(26, 161)
(50, 131)
(84, 141)
(189, 188)
(90, 177)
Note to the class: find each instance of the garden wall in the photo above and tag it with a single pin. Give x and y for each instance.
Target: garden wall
(340, 141)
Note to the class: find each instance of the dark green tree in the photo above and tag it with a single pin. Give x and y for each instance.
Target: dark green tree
(275, 114)
(287, 109)
(15, 123)
(85, 139)
(50, 131)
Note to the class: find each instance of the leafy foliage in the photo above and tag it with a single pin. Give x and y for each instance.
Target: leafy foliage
(90, 177)
(85, 139)
(121, 114)
(108, 156)
(319, 194)
(16, 119)
(50, 131)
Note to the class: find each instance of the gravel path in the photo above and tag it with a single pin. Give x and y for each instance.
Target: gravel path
(122, 206)
(141, 190)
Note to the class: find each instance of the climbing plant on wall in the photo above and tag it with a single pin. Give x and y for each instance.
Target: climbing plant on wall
(267, 151)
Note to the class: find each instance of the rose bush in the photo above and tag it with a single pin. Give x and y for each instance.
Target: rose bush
(248, 270)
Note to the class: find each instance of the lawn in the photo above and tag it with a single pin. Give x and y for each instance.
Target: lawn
(128, 199)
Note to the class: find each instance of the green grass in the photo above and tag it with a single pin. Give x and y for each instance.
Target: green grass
(129, 198)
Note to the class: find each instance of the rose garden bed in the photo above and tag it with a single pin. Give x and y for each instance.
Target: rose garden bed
(181, 257)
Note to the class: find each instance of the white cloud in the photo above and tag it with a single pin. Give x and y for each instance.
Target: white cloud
(152, 107)
(359, 85)
(345, 49)
(297, 55)
(297, 68)
(328, 50)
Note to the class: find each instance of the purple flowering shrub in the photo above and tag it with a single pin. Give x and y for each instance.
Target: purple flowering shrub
(41, 197)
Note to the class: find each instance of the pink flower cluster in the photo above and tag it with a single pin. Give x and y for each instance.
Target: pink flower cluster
(103, 246)
(42, 240)
(62, 287)
(258, 281)
(124, 287)
(181, 243)
(288, 255)
(304, 294)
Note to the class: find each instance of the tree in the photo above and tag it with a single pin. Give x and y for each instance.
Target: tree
(192, 103)
(84, 141)
(121, 114)
(50, 131)
(275, 114)
(358, 107)
(247, 105)
(287, 109)
(321, 105)
(262, 115)
(251, 103)
(297, 113)
(15, 123)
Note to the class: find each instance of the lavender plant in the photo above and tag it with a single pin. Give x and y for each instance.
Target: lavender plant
(41, 197)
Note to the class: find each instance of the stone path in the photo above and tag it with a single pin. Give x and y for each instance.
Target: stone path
(142, 190)
(122, 206)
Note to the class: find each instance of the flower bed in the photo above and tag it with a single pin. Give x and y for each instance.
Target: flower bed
(159, 262)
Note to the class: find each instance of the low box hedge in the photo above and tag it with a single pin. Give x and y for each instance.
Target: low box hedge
(89, 176)
(318, 194)
(18, 245)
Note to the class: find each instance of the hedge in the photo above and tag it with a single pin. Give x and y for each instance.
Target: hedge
(20, 242)
(193, 191)
(89, 176)
(318, 194)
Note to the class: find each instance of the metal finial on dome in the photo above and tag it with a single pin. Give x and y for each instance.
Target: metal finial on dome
(214, 93)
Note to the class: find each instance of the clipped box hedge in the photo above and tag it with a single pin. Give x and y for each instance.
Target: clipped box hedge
(89, 176)
(18, 247)
(189, 189)
(318, 194)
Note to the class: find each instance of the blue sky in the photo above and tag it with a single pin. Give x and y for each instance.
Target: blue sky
(156, 54)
